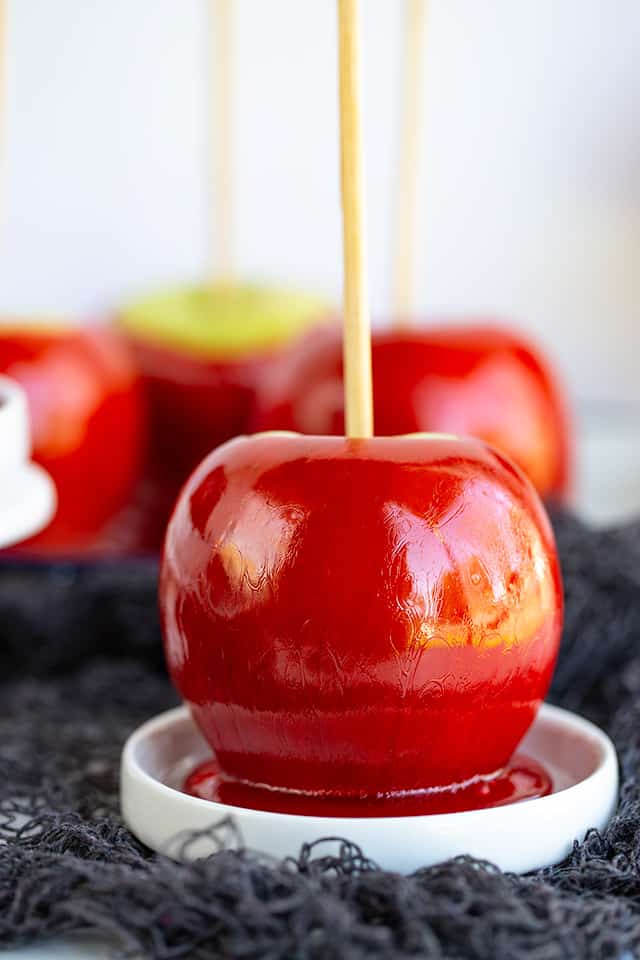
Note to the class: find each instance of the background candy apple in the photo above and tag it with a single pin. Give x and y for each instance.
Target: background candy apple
(87, 424)
(357, 617)
(477, 380)
(202, 352)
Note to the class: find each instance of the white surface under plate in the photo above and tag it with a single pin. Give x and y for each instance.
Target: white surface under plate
(518, 837)
(77, 948)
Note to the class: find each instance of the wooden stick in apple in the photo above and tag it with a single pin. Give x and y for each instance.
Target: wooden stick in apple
(357, 331)
(404, 249)
(220, 265)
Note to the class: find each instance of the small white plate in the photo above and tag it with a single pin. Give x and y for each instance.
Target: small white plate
(518, 837)
(27, 493)
(27, 499)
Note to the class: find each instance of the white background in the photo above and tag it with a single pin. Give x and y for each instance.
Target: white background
(530, 199)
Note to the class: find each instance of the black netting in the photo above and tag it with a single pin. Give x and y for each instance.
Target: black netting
(80, 666)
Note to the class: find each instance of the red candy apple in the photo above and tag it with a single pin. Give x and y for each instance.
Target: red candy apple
(479, 381)
(202, 352)
(86, 420)
(357, 618)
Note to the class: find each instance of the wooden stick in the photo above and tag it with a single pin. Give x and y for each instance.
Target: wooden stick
(221, 192)
(408, 162)
(357, 331)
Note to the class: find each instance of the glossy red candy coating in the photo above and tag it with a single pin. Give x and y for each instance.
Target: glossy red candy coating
(477, 380)
(195, 403)
(87, 422)
(357, 618)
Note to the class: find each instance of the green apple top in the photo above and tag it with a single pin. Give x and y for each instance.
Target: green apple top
(222, 320)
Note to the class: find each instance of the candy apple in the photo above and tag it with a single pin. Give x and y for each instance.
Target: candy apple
(358, 618)
(202, 352)
(87, 423)
(475, 380)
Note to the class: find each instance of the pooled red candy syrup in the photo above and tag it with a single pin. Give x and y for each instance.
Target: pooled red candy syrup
(361, 627)
(522, 779)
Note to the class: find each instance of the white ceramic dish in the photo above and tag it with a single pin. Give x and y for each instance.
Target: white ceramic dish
(27, 493)
(519, 837)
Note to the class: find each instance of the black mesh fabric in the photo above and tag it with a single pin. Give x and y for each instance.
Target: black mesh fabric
(81, 666)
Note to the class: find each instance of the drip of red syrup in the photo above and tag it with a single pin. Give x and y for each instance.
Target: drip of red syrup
(522, 779)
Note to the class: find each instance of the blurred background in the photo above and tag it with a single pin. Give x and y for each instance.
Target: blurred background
(530, 177)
